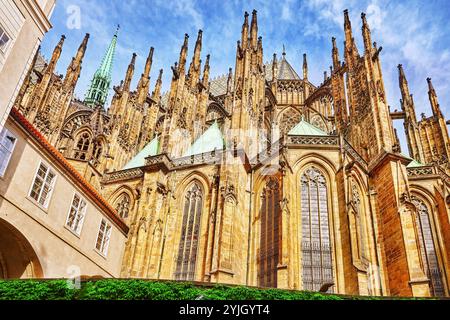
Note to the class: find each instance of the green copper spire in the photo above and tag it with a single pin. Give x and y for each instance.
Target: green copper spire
(98, 91)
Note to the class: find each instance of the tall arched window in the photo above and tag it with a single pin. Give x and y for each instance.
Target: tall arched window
(427, 249)
(187, 251)
(317, 263)
(123, 206)
(359, 221)
(269, 235)
(82, 147)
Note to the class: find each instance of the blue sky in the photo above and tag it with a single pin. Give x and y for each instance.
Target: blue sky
(415, 33)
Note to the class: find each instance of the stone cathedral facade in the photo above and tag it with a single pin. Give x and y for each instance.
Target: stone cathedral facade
(260, 177)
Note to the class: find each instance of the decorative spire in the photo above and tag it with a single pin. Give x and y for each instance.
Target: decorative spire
(305, 67)
(406, 101)
(194, 68)
(347, 27)
(144, 82)
(183, 55)
(403, 83)
(244, 35)
(275, 66)
(74, 69)
(101, 82)
(129, 75)
(335, 54)
(55, 56)
(157, 92)
(366, 33)
(254, 30)
(205, 80)
(229, 80)
(284, 52)
(351, 50)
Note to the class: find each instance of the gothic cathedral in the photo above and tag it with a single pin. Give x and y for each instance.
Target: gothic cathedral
(260, 177)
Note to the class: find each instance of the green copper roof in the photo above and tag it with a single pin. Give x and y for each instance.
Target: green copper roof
(210, 140)
(414, 163)
(151, 149)
(105, 69)
(101, 82)
(304, 128)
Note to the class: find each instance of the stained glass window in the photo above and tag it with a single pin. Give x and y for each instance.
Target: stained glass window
(269, 235)
(123, 206)
(82, 147)
(427, 248)
(187, 251)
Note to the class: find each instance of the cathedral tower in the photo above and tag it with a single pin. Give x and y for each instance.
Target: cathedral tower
(101, 82)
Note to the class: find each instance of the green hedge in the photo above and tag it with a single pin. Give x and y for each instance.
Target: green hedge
(114, 289)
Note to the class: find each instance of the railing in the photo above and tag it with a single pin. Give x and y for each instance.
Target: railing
(314, 140)
(123, 175)
(421, 171)
(212, 157)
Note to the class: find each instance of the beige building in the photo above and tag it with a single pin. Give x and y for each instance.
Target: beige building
(53, 224)
(23, 24)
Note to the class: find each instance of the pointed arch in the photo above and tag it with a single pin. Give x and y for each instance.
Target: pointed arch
(316, 243)
(287, 119)
(427, 242)
(270, 214)
(82, 144)
(123, 205)
(123, 200)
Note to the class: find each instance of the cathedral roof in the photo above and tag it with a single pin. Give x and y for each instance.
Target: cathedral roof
(210, 140)
(151, 149)
(285, 70)
(304, 128)
(414, 163)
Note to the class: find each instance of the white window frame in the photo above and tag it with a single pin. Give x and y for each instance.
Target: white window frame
(52, 186)
(103, 250)
(3, 132)
(5, 48)
(79, 215)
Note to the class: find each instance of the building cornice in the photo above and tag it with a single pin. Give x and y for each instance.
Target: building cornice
(38, 15)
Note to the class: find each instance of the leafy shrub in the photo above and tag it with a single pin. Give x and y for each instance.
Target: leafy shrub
(133, 289)
(35, 290)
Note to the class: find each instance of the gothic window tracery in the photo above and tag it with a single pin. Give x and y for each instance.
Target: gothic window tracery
(269, 235)
(427, 248)
(319, 123)
(82, 146)
(123, 206)
(317, 262)
(289, 120)
(190, 232)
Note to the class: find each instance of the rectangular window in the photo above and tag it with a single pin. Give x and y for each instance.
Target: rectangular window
(7, 143)
(104, 234)
(76, 214)
(4, 40)
(43, 185)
